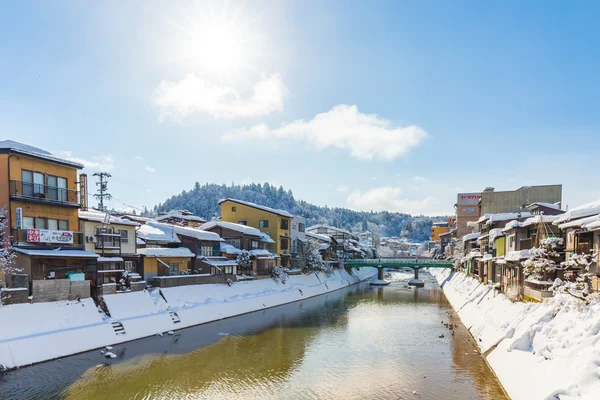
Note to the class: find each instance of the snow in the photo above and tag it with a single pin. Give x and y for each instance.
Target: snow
(220, 263)
(580, 212)
(511, 225)
(110, 259)
(577, 223)
(491, 218)
(155, 232)
(318, 236)
(546, 350)
(180, 215)
(36, 152)
(166, 252)
(229, 249)
(260, 252)
(547, 205)
(517, 255)
(196, 233)
(57, 253)
(99, 216)
(266, 238)
(110, 354)
(245, 229)
(324, 246)
(258, 206)
(471, 236)
(472, 224)
(379, 282)
(495, 233)
(539, 218)
(328, 227)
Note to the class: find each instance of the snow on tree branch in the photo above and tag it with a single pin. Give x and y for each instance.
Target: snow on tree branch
(7, 254)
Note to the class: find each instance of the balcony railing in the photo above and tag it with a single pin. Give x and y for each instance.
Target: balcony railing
(43, 193)
(19, 238)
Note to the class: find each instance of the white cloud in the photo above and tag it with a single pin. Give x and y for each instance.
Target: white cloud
(148, 190)
(139, 158)
(388, 199)
(194, 94)
(419, 178)
(366, 136)
(101, 163)
(149, 169)
(342, 188)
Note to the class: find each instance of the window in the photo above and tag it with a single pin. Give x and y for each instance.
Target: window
(40, 223)
(242, 223)
(53, 224)
(254, 244)
(512, 241)
(52, 189)
(284, 244)
(27, 178)
(301, 227)
(129, 266)
(263, 223)
(233, 209)
(63, 225)
(38, 185)
(107, 238)
(285, 224)
(469, 210)
(124, 236)
(233, 242)
(206, 251)
(28, 223)
(174, 268)
(227, 269)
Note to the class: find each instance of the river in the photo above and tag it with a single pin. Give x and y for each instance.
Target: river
(361, 342)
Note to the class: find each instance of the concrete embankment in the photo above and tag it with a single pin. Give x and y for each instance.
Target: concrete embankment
(38, 332)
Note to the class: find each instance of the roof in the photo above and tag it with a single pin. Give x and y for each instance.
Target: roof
(110, 259)
(26, 150)
(157, 232)
(584, 210)
(491, 218)
(445, 234)
(246, 230)
(283, 213)
(495, 233)
(259, 252)
(98, 216)
(333, 228)
(166, 252)
(229, 249)
(324, 246)
(511, 225)
(517, 255)
(578, 223)
(196, 233)
(180, 214)
(592, 226)
(542, 204)
(137, 218)
(318, 236)
(539, 218)
(57, 253)
(219, 263)
(471, 236)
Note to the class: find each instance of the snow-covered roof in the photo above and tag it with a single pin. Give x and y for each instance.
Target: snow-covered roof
(139, 241)
(578, 223)
(471, 236)
(547, 205)
(481, 237)
(137, 218)
(593, 225)
(324, 246)
(495, 233)
(110, 259)
(487, 257)
(517, 255)
(329, 227)
(264, 237)
(584, 210)
(166, 252)
(57, 253)
(318, 236)
(157, 232)
(196, 233)
(259, 252)
(491, 218)
(219, 263)
(229, 249)
(472, 223)
(539, 218)
(258, 206)
(99, 216)
(180, 214)
(511, 225)
(246, 230)
(26, 150)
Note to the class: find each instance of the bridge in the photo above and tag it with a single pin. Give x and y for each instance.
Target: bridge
(414, 263)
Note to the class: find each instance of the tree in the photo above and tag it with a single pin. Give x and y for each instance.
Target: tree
(7, 255)
(458, 253)
(244, 261)
(543, 259)
(310, 259)
(581, 287)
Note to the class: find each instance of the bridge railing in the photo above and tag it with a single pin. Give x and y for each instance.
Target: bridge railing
(410, 262)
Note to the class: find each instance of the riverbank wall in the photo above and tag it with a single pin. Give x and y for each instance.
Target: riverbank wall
(548, 350)
(32, 333)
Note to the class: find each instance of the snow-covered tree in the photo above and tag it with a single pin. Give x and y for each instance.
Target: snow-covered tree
(310, 259)
(458, 252)
(581, 287)
(7, 255)
(278, 273)
(543, 259)
(244, 261)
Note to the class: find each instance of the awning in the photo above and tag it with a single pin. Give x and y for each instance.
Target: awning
(109, 259)
(57, 253)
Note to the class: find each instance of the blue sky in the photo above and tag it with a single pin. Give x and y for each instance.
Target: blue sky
(368, 105)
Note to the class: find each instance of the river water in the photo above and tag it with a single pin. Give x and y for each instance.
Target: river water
(362, 342)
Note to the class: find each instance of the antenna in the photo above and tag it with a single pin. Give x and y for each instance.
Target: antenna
(102, 190)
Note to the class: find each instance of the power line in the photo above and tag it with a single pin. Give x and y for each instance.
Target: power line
(102, 190)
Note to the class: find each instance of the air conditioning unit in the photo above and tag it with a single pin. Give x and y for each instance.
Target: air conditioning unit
(90, 239)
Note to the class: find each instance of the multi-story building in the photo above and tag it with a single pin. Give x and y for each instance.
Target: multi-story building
(39, 192)
(276, 223)
(181, 217)
(438, 228)
(298, 237)
(467, 210)
(493, 202)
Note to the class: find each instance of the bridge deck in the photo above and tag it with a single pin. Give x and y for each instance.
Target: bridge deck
(400, 263)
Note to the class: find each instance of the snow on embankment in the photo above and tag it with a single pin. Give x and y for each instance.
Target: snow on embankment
(31, 333)
(549, 350)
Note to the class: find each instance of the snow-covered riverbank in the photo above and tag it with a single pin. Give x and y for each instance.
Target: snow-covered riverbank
(549, 350)
(32, 333)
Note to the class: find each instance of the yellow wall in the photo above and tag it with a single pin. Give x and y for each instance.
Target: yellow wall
(151, 264)
(252, 216)
(436, 232)
(499, 244)
(17, 164)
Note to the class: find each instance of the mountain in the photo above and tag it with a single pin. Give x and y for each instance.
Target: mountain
(202, 201)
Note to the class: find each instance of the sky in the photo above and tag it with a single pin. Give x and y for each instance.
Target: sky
(393, 106)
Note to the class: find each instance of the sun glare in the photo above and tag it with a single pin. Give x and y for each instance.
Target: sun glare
(217, 47)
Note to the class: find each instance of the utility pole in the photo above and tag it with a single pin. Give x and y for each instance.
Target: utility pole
(102, 190)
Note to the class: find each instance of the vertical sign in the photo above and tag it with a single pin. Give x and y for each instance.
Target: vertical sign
(19, 217)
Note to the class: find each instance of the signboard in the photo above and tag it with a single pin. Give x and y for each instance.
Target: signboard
(468, 199)
(19, 217)
(49, 236)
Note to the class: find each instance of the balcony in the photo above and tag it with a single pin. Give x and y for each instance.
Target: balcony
(20, 239)
(43, 194)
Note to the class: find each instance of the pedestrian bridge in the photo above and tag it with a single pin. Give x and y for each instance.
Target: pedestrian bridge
(396, 263)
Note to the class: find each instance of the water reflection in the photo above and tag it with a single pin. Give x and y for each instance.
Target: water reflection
(360, 342)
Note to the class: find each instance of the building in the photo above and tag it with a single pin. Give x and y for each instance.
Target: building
(276, 223)
(326, 244)
(345, 244)
(114, 240)
(298, 238)
(438, 228)
(181, 217)
(467, 210)
(493, 202)
(40, 193)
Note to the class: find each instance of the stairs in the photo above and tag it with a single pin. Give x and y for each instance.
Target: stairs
(118, 328)
(174, 317)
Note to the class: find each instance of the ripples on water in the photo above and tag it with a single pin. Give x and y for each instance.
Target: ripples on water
(357, 343)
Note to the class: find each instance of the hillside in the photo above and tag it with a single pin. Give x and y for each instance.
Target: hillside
(202, 201)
